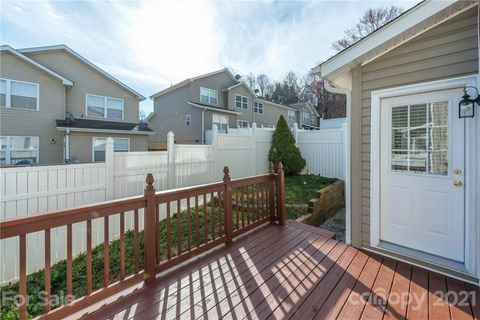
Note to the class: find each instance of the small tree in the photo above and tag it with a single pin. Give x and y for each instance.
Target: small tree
(284, 150)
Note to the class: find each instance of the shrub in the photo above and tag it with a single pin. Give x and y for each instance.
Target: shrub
(284, 150)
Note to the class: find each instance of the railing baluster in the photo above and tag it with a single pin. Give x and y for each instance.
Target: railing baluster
(179, 228)
(248, 205)
(169, 244)
(242, 209)
(258, 211)
(189, 236)
(212, 214)
(237, 212)
(48, 290)
(106, 253)
(197, 222)
(122, 245)
(136, 244)
(205, 232)
(69, 262)
(89, 257)
(22, 284)
(220, 195)
(157, 237)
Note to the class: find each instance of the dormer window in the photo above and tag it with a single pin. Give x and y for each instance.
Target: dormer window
(241, 101)
(209, 96)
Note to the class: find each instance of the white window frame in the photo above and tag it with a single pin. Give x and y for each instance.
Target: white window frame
(256, 107)
(188, 120)
(243, 104)
(8, 94)
(242, 121)
(104, 138)
(8, 158)
(305, 117)
(210, 93)
(105, 113)
(290, 113)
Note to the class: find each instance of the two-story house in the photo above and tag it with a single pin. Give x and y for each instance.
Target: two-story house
(309, 118)
(191, 107)
(57, 107)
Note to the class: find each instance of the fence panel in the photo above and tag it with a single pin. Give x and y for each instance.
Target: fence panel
(263, 142)
(324, 151)
(193, 165)
(237, 152)
(32, 190)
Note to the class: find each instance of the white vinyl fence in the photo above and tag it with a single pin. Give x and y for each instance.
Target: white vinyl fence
(33, 190)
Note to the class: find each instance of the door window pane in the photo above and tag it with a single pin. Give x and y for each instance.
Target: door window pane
(420, 138)
(23, 95)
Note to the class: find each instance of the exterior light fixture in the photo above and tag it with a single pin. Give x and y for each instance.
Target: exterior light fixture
(466, 107)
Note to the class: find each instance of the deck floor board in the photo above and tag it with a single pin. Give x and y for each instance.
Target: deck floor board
(292, 271)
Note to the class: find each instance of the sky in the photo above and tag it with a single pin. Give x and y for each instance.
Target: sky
(150, 45)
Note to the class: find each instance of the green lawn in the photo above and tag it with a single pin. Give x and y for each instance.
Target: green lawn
(301, 188)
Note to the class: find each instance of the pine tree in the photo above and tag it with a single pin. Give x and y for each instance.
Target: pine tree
(284, 150)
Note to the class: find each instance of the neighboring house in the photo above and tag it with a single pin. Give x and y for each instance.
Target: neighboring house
(58, 107)
(191, 107)
(413, 179)
(309, 118)
(334, 123)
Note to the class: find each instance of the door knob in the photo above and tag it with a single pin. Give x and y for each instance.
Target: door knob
(457, 172)
(457, 183)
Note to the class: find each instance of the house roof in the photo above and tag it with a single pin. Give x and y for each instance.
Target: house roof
(102, 125)
(150, 116)
(415, 21)
(300, 105)
(65, 81)
(190, 80)
(65, 48)
(212, 108)
(241, 83)
(275, 104)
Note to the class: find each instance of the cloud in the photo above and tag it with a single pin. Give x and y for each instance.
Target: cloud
(151, 44)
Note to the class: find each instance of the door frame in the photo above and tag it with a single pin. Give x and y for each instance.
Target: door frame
(472, 166)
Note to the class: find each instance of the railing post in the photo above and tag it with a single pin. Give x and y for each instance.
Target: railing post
(227, 203)
(150, 227)
(271, 193)
(280, 194)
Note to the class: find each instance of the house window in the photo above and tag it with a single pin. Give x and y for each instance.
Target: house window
(188, 119)
(291, 115)
(242, 124)
(258, 107)
(420, 138)
(18, 150)
(241, 101)
(221, 122)
(305, 116)
(104, 107)
(119, 145)
(209, 96)
(18, 94)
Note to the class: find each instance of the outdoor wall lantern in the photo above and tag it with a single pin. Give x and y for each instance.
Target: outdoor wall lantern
(466, 107)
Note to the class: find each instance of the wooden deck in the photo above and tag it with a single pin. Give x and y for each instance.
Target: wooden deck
(293, 271)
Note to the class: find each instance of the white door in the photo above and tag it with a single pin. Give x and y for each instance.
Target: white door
(422, 203)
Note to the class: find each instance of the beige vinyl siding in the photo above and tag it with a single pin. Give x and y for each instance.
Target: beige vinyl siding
(246, 114)
(271, 114)
(41, 123)
(217, 82)
(446, 51)
(81, 144)
(86, 80)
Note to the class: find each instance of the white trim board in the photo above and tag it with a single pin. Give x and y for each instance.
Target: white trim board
(472, 214)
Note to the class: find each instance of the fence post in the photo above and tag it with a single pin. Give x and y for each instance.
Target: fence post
(281, 194)
(254, 160)
(150, 227)
(227, 203)
(271, 193)
(215, 163)
(171, 160)
(109, 169)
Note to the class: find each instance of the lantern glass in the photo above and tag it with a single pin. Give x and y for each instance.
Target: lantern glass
(466, 109)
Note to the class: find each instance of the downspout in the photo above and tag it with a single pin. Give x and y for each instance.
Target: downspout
(348, 167)
(203, 125)
(67, 146)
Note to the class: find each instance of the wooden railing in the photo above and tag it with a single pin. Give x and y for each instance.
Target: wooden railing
(178, 225)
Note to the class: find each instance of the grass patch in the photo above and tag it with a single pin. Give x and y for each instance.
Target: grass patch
(299, 189)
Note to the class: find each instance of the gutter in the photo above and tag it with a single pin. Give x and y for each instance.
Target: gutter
(73, 129)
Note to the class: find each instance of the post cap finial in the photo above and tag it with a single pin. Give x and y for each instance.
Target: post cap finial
(170, 135)
(149, 179)
(226, 171)
(280, 166)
